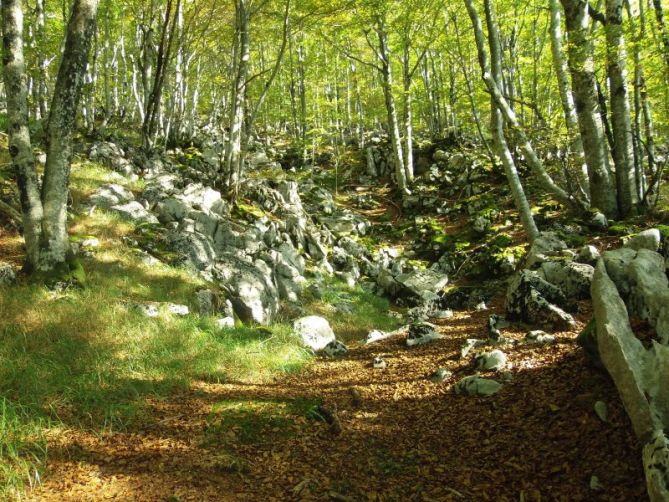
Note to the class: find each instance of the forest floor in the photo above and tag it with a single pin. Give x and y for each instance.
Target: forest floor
(403, 437)
(166, 409)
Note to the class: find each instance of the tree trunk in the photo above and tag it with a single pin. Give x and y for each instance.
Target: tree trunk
(233, 150)
(496, 121)
(391, 109)
(584, 87)
(20, 147)
(46, 216)
(571, 119)
(623, 151)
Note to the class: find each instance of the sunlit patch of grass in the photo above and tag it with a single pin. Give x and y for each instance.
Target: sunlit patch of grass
(353, 313)
(22, 449)
(88, 358)
(87, 176)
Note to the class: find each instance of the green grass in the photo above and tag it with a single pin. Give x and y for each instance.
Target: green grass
(22, 448)
(352, 313)
(85, 358)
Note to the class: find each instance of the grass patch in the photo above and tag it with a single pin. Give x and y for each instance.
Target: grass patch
(22, 449)
(86, 358)
(352, 313)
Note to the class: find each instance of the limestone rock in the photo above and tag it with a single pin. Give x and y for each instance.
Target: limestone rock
(250, 288)
(335, 348)
(649, 286)
(7, 274)
(656, 465)
(420, 282)
(476, 386)
(588, 254)
(539, 337)
(314, 331)
(421, 333)
(621, 352)
(441, 375)
(617, 262)
(533, 300)
(547, 244)
(379, 363)
(572, 278)
(225, 323)
(179, 310)
(194, 250)
(135, 212)
(491, 361)
(648, 239)
(111, 194)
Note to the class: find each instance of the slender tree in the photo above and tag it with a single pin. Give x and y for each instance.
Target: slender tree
(45, 210)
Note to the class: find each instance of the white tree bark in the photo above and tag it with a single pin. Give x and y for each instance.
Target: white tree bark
(623, 151)
(564, 87)
(584, 88)
(383, 55)
(496, 121)
(45, 214)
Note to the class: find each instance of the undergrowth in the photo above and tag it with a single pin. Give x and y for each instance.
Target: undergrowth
(87, 358)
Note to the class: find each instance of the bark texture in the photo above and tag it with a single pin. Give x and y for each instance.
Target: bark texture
(45, 213)
(584, 87)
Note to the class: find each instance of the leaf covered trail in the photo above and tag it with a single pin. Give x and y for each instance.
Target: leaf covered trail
(404, 437)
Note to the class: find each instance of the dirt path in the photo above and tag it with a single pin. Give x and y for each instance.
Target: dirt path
(408, 438)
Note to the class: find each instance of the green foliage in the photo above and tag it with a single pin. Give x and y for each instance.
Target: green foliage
(352, 313)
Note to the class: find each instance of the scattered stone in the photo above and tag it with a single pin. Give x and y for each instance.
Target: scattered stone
(532, 299)
(314, 331)
(135, 212)
(495, 324)
(481, 306)
(470, 344)
(206, 301)
(588, 254)
(379, 363)
(648, 239)
(656, 465)
(250, 288)
(225, 323)
(491, 361)
(7, 274)
(441, 375)
(176, 309)
(547, 244)
(148, 309)
(572, 278)
(599, 221)
(111, 195)
(601, 411)
(476, 386)
(375, 336)
(442, 314)
(335, 348)
(539, 337)
(421, 333)
(420, 282)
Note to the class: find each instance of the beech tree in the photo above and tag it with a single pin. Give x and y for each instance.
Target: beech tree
(44, 207)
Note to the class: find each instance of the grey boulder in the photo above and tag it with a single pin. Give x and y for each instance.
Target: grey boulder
(314, 331)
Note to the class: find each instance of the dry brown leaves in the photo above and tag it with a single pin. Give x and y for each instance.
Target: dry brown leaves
(403, 437)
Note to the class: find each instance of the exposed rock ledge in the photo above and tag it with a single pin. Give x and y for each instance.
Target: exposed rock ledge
(640, 376)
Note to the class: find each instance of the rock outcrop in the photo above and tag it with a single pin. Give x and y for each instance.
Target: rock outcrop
(638, 279)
